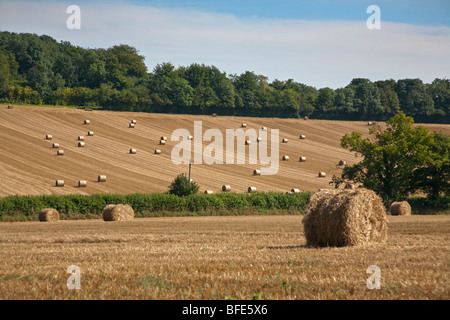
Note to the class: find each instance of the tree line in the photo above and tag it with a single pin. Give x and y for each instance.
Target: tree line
(39, 70)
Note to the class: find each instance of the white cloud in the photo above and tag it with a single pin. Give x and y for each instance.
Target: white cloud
(318, 53)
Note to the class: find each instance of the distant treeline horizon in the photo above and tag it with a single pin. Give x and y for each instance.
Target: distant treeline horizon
(39, 70)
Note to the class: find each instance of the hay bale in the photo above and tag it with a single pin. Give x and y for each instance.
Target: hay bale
(82, 184)
(132, 125)
(400, 208)
(284, 141)
(101, 178)
(302, 159)
(322, 174)
(256, 172)
(244, 125)
(118, 212)
(214, 115)
(369, 123)
(342, 163)
(59, 183)
(264, 128)
(209, 192)
(10, 106)
(306, 118)
(226, 188)
(157, 151)
(81, 144)
(87, 121)
(88, 109)
(90, 133)
(190, 137)
(285, 158)
(349, 186)
(55, 145)
(248, 142)
(133, 121)
(80, 138)
(163, 138)
(162, 142)
(258, 139)
(345, 218)
(251, 189)
(302, 137)
(48, 215)
(60, 152)
(132, 151)
(48, 137)
(295, 191)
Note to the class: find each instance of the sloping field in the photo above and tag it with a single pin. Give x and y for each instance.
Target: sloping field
(29, 164)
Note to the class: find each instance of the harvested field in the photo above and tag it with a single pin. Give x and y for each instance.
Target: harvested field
(33, 168)
(262, 257)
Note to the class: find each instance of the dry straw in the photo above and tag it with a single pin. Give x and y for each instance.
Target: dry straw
(101, 178)
(342, 163)
(90, 133)
(349, 186)
(322, 174)
(400, 208)
(10, 106)
(285, 158)
(295, 191)
(82, 184)
(256, 172)
(60, 152)
(251, 189)
(226, 188)
(132, 151)
(302, 159)
(59, 183)
(285, 141)
(157, 151)
(80, 138)
(162, 142)
(163, 138)
(303, 137)
(306, 118)
(132, 125)
(209, 192)
(55, 145)
(248, 142)
(48, 215)
(244, 125)
(345, 218)
(258, 139)
(48, 137)
(118, 212)
(81, 144)
(87, 122)
(133, 121)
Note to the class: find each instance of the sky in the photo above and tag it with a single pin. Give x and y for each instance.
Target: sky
(321, 43)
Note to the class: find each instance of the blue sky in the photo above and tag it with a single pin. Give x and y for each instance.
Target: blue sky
(321, 43)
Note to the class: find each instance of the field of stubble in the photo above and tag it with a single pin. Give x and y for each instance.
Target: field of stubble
(197, 258)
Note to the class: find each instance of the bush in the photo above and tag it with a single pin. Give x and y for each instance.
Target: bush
(181, 186)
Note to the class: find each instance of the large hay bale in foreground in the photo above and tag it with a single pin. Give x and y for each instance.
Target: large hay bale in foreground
(48, 215)
(400, 208)
(118, 212)
(345, 218)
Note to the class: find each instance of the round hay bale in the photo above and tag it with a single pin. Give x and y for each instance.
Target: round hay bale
(10, 106)
(306, 118)
(101, 178)
(162, 142)
(157, 151)
(80, 138)
(400, 208)
(264, 128)
(163, 138)
(285, 158)
(132, 151)
(209, 192)
(369, 123)
(133, 121)
(132, 125)
(284, 141)
(81, 144)
(302, 137)
(55, 145)
(118, 212)
(345, 218)
(251, 189)
(248, 142)
(60, 152)
(48, 215)
(59, 183)
(48, 137)
(214, 115)
(322, 174)
(82, 184)
(226, 188)
(302, 159)
(349, 186)
(190, 137)
(295, 191)
(87, 121)
(90, 133)
(244, 125)
(342, 163)
(256, 172)
(258, 139)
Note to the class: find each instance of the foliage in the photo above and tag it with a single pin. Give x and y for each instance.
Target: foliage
(181, 186)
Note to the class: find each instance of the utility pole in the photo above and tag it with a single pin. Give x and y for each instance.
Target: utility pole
(190, 164)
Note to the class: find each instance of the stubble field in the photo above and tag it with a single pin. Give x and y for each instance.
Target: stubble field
(204, 258)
